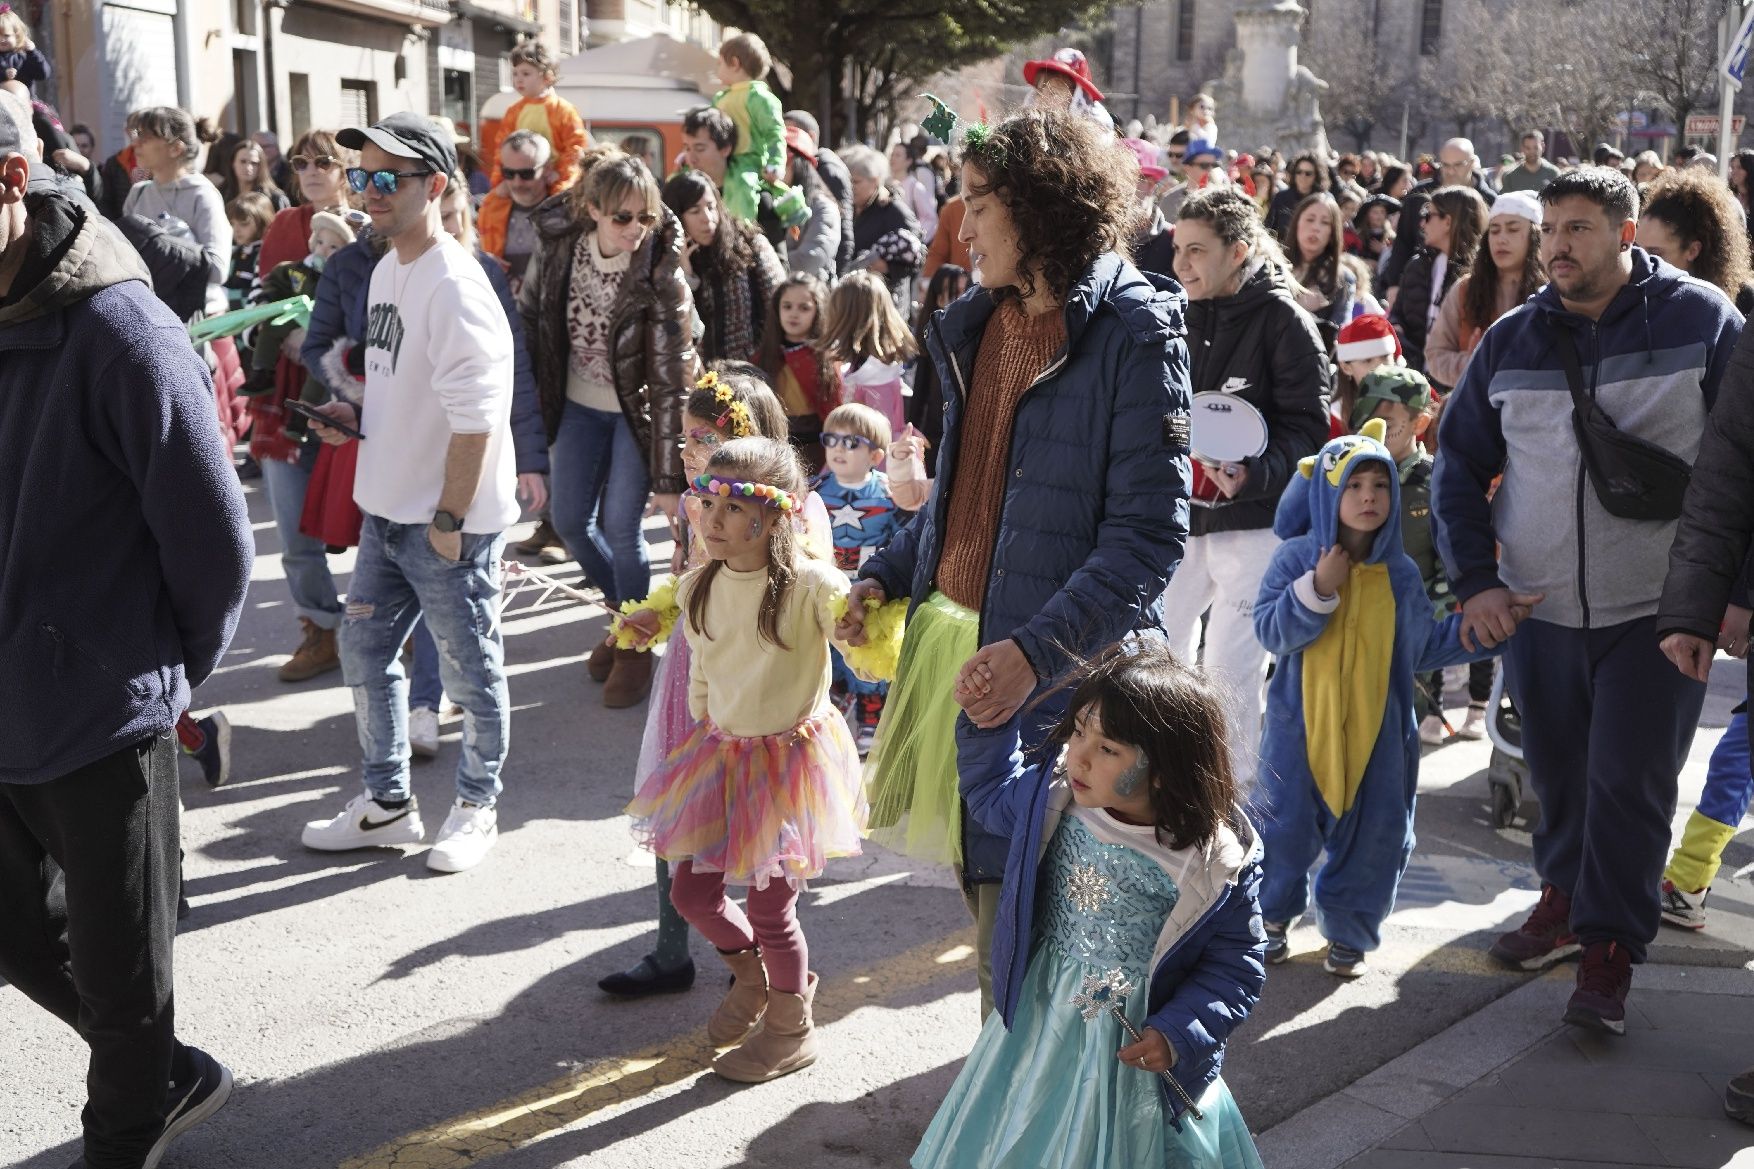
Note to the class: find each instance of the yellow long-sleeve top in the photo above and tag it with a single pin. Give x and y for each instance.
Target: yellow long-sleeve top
(746, 685)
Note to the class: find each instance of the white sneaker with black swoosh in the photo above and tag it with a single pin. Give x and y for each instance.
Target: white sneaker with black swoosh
(365, 823)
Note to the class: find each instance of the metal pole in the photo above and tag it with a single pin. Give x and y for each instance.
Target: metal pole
(1405, 107)
(1726, 103)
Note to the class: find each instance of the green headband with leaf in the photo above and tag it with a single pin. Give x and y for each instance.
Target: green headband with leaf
(976, 136)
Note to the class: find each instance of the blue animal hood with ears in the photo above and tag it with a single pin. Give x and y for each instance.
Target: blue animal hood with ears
(1311, 502)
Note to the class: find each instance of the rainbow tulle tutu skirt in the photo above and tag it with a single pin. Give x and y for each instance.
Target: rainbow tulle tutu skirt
(756, 809)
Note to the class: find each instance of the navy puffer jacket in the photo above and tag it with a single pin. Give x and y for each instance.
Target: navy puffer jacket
(1096, 505)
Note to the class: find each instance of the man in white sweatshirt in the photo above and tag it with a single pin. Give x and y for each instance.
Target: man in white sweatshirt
(437, 482)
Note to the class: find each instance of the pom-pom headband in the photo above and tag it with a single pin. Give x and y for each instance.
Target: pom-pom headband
(734, 415)
(767, 493)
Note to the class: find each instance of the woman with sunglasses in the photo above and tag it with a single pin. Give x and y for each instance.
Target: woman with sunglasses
(286, 455)
(731, 268)
(609, 318)
(1309, 174)
(1453, 222)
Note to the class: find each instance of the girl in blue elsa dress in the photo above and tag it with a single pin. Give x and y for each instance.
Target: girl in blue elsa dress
(1130, 892)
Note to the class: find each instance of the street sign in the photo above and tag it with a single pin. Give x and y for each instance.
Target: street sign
(1736, 60)
(1706, 126)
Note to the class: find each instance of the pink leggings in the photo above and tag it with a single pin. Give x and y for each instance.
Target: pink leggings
(772, 922)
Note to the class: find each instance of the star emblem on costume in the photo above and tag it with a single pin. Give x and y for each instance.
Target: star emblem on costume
(853, 515)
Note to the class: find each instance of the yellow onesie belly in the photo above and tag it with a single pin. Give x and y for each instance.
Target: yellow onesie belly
(534, 118)
(1346, 685)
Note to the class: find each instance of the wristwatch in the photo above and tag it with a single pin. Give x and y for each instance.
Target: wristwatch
(444, 521)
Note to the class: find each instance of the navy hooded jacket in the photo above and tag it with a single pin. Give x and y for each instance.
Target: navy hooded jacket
(1096, 501)
(107, 418)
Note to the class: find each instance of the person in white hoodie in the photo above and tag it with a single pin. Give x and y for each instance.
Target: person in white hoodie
(177, 195)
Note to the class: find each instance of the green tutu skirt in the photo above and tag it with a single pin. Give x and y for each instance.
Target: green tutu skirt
(911, 771)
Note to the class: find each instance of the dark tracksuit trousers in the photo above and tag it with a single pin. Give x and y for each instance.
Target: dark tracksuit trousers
(1607, 723)
(88, 912)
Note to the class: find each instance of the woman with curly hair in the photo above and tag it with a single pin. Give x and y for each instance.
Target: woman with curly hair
(1691, 220)
(731, 268)
(1058, 503)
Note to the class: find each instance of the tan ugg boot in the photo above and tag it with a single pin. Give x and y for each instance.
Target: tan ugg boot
(316, 654)
(786, 1042)
(630, 679)
(744, 1003)
(601, 661)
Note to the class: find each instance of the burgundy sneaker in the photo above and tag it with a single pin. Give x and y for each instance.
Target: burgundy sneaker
(1599, 1002)
(1544, 939)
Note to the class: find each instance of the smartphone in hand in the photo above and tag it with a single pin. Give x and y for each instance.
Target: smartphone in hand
(321, 419)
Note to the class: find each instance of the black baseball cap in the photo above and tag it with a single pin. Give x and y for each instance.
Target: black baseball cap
(407, 135)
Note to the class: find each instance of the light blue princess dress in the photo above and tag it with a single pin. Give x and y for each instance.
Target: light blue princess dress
(1049, 1091)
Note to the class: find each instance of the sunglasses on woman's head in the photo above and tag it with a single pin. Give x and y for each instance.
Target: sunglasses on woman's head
(518, 172)
(852, 442)
(386, 181)
(320, 161)
(623, 218)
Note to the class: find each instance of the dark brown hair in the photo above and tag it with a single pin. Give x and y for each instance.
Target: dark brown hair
(732, 252)
(315, 144)
(251, 207)
(755, 460)
(772, 354)
(535, 54)
(1144, 695)
(1069, 187)
(1480, 298)
(1466, 212)
(1700, 208)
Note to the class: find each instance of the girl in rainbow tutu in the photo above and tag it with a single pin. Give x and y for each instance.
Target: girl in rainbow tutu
(766, 787)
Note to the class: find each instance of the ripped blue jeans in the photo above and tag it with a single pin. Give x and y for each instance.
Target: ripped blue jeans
(397, 577)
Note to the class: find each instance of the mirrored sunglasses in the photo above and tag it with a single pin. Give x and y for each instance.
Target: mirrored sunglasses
(386, 181)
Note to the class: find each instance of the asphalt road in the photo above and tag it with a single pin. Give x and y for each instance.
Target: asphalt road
(380, 1015)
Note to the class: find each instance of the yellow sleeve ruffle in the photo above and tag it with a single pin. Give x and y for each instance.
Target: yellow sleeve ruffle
(662, 601)
(877, 659)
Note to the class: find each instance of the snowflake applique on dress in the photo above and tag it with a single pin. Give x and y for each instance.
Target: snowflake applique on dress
(1087, 887)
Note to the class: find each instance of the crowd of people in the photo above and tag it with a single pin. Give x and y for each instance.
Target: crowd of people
(970, 381)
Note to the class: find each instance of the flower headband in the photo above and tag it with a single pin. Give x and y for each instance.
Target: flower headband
(735, 415)
(770, 495)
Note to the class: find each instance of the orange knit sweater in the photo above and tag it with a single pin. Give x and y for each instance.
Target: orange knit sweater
(1014, 350)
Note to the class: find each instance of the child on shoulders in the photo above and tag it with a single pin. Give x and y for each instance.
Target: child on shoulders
(540, 110)
(760, 153)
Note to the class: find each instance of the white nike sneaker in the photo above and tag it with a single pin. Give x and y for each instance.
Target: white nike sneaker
(469, 831)
(423, 732)
(365, 823)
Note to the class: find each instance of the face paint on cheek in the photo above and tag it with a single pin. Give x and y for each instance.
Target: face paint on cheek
(755, 527)
(1131, 782)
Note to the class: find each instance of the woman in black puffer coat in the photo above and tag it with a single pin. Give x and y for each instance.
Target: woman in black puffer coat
(1247, 336)
(1453, 221)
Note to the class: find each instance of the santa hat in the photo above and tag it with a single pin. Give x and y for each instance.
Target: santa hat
(1368, 336)
(1150, 158)
(1069, 63)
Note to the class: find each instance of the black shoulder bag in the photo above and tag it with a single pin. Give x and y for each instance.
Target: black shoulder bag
(1634, 479)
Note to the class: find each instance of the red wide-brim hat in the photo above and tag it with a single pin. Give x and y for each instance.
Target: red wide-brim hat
(1081, 79)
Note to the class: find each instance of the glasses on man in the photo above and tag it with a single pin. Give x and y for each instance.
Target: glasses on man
(852, 442)
(525, 173)
(302, 162)
(386, 181)
(623, 218)
(1203, 164)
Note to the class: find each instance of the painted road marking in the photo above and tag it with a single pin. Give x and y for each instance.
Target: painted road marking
(562, 1102)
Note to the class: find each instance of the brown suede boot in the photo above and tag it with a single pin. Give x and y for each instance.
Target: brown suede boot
(744, 1002)
(601, 661)
(315, 655)
(786, 1042)
(630, 679)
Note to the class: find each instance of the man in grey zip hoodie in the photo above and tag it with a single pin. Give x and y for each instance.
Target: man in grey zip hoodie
(107, 417)
(1607, 722)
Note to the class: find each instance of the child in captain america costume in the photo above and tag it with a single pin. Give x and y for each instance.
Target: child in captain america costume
(864, 518)
(1345, 610)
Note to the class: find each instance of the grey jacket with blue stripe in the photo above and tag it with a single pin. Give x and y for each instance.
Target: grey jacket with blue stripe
(1653, 361)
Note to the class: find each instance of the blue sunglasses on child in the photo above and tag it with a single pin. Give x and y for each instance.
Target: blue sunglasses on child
(386, 181)
(852, 442)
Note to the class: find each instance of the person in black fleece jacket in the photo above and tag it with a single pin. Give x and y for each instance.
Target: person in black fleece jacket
(110, 413)
(1248, 337)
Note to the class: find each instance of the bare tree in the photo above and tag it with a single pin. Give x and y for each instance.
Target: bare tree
(1364, 80)
(1667, 50)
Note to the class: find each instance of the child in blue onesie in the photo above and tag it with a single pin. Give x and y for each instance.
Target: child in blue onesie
(1345, 610)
